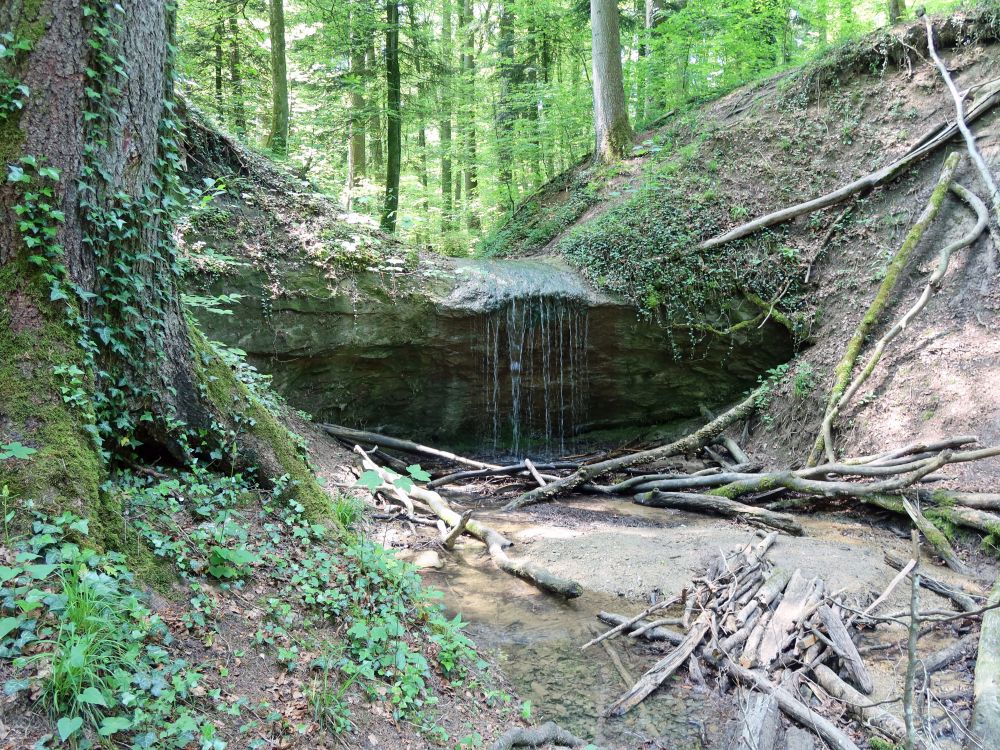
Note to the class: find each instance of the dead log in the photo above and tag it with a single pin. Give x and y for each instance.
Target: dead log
(791, 706)
(797, 738)
(799, 594)
(359, 436)
(952, 443)
(495, 542)
(965, 602)
(687, 444)
(760, 721)
(985, 101)
(976, 500)
(882, 299)
(719, 506)
(843, 646)
(518, 468)
(633, 627)
(949, 654)
(935, 536)
(549, 733)
(860, 705)
(626, 624)
(985, 725)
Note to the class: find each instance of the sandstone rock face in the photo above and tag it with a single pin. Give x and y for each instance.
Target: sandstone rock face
(506, 354)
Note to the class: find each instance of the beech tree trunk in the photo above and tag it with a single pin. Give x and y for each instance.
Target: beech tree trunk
(469, 75)
(613, 134)
(356, 125)
(393, 116)
(236, 77)
(277, 139)
(444, 124)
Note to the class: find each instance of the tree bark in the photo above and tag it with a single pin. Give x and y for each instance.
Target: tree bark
(236, 77)
(393, 117)
(277, 139)
(107, 300)
(613, 134)
(444, 123)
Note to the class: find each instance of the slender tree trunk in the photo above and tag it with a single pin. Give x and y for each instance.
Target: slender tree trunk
(422, 175)
(505, 115)
(217, 36)
(277, 139)
(613, 134)
(356, 124)
(444, 125)
(236, 77)
(393, 116)
(469, 74)
(895, 11)
(376, 158)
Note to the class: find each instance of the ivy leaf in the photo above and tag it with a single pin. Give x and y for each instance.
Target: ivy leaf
(16, 174)
(8, 624)
(67, 727)
(113, 724)
(417, 473)
(404, 483)
(15, 450)
(370, 479)
(51, 172)
(92, 696)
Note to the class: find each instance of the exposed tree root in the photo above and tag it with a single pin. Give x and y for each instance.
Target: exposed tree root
(931, 288)
(842, 373)
(549, 733)
(495, 542)
(960, 121)
(986, 98)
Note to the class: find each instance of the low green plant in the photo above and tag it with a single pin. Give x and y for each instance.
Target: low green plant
(804, 381)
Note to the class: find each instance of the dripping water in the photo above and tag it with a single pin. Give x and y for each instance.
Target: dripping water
(535, 379)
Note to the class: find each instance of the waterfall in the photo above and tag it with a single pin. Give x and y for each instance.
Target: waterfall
(535, 382)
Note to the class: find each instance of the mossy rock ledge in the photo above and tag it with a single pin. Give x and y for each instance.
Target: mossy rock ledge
(449, 351)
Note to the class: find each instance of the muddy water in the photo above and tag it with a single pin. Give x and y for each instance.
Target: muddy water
(537, 640)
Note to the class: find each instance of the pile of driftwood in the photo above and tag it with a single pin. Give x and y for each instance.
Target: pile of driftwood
(787, 638)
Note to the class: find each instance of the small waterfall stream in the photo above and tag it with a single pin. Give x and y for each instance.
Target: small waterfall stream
(535, 380)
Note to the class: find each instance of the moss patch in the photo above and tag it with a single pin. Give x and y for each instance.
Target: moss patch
(66, 472)
(267, 441)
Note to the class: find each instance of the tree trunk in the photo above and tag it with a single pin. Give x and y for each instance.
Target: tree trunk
(220, 32)
(236, 77)
(469, 75)
(356, 125)
(613, 134)
(96, 356)
(444, 125)
(422, 175)
(393, 116)
(894, 11)
(376, 159)
(277, 139)
(505, 108)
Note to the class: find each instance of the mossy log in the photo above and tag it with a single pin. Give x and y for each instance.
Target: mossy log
(549, 733)
(883, 297)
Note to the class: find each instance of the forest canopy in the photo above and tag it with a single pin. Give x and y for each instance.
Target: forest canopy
(494, 98)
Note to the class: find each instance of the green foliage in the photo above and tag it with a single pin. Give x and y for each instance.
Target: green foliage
(805, 380)
(79, 637)
(13, 93)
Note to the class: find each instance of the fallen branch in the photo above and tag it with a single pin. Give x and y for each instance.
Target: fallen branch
(358, 436)
(685, 445)
(627, 624)
(965, 602)
(935, 536)
(495, 542)
(719, 506)
(985, 101)
(861, 706)
(456, 531)
(639, 628)
(843, 370)
(950, 654)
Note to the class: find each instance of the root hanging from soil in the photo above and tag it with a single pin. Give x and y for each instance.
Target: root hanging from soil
(843, 370)
(987, 97)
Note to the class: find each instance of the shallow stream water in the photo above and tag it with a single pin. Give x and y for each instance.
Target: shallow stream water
(537, 638)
